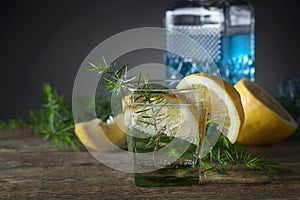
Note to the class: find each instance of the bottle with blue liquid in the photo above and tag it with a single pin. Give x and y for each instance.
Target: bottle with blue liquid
(224, 29)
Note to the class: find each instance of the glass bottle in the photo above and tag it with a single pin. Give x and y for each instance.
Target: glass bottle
(224, 28)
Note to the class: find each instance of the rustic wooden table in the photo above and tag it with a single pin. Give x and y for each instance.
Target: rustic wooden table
(31, 168)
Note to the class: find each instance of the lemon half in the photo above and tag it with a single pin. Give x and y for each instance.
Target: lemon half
(266, 121)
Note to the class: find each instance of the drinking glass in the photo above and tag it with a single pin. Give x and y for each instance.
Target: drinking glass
(165, 132)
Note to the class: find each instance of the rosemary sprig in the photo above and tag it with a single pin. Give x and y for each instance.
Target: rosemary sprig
(114, 80)
(55, 120)
(225, 155)
(152, 115)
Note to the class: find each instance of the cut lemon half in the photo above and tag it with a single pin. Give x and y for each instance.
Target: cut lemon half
(102, 137)
(222, 101)
(266, 121)
(170, 116)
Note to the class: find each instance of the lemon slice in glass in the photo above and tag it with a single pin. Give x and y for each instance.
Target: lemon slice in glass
(172, 116)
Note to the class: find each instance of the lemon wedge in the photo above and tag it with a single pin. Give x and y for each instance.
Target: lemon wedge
(266, 121)
(102, 137)
(222, 101)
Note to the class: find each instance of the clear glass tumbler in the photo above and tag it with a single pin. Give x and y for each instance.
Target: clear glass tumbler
(166, 128)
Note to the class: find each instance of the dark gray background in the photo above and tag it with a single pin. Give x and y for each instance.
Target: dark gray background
(46, 41)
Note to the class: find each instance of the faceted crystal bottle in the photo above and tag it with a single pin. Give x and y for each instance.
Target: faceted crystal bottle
(224, 28)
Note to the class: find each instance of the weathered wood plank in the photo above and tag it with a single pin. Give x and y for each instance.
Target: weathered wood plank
(30, 167)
